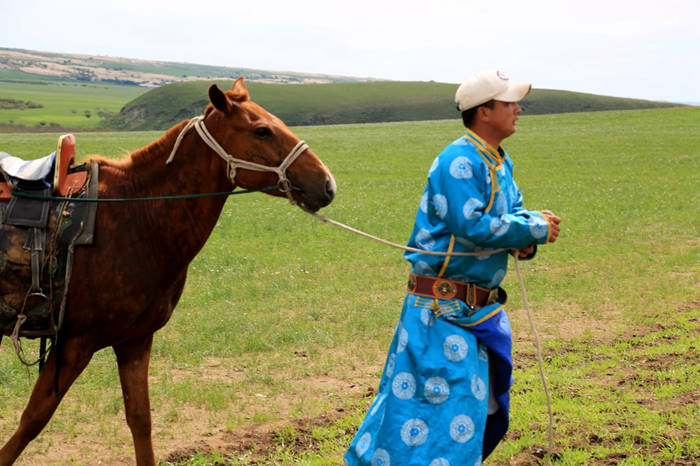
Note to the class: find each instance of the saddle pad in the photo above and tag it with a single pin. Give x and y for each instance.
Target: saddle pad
(29, 170)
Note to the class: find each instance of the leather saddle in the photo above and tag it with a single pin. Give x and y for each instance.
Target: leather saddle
(56, 170)
(41, 219)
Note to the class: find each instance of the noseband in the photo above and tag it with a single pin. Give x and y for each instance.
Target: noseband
(233, 163)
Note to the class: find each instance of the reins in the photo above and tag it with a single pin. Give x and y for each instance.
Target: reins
(139, 199)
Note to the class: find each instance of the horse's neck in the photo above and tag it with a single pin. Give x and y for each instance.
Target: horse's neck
(173, 228)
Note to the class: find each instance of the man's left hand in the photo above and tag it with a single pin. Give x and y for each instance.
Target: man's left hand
(525, 252)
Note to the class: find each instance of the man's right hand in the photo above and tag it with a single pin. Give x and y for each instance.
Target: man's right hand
(554, 228)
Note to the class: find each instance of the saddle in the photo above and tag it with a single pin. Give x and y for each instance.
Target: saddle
(56, 170)
(41, 221)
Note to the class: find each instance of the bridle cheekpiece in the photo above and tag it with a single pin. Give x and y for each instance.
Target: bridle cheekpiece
(233, 163)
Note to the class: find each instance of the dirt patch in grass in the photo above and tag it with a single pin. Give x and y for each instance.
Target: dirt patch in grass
(533, 456)
(283, 428)
(258, 442)
(566, 321)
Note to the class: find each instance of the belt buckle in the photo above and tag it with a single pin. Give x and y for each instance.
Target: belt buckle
(470, 297)
(411, 285)
(444, 289)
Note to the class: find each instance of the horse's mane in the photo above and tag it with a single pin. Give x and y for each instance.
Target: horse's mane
(145, 154)
(156, 148)
(164, 143)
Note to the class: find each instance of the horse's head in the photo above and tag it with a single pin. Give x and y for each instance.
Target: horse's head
(257, 140)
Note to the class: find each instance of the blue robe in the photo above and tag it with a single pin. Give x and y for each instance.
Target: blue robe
(443, 398)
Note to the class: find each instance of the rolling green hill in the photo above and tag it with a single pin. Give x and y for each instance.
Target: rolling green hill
(367, 102)
(307, 104)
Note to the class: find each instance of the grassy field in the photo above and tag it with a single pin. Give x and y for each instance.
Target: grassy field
(276, 348)
(61, 104)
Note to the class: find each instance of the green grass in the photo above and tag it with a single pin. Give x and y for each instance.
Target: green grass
(280, 336)
(64, 104)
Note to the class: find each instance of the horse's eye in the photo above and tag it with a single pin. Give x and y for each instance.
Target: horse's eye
(263, 131)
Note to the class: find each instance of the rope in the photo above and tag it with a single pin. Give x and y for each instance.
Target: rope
(131, 199)
(522, 292)
(15, 337)
(399, 246)
(550, 434)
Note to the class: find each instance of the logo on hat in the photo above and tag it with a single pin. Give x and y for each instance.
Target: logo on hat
(502, 76)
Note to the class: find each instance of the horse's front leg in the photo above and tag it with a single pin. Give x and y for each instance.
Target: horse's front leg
(133, 358)
(73, 357)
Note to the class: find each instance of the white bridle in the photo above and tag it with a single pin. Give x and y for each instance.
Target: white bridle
(233, 163)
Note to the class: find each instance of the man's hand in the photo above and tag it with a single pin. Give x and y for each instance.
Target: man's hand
(525, 252)
(553, 221)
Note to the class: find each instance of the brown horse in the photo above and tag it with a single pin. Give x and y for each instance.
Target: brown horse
(125, 286)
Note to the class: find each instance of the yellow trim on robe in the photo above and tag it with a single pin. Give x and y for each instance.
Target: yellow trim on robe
(493, 160)
(485, 318)
(549, 226)
(447, 259)
(497, 158)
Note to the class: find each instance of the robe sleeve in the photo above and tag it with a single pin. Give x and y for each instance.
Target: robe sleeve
(459, 193)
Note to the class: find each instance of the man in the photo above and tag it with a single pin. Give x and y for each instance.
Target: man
(444, 395)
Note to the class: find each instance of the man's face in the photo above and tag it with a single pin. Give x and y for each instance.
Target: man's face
(502, 117)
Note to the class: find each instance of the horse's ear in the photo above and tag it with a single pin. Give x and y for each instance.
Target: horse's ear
(239, 86)
(219, 99)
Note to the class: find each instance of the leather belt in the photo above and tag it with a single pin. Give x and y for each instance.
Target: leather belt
(441, 288)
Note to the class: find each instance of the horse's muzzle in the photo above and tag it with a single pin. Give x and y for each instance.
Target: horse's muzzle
(314, 196)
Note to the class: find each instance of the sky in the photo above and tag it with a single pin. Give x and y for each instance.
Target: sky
(648, 49)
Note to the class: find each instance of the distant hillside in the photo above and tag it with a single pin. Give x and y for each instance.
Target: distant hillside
(44, 91)
(30, 65)
(368, 102)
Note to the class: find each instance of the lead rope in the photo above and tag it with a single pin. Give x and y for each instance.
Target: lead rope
(399, 246)
(522, 292)
(550, 434)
